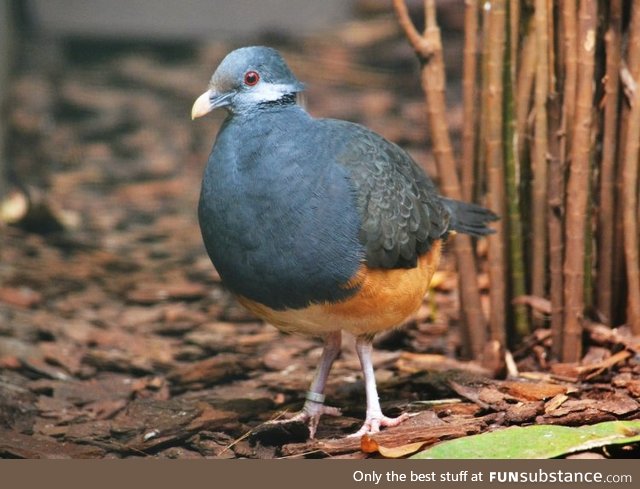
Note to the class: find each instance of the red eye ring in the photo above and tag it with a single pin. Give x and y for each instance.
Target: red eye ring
(251, 78)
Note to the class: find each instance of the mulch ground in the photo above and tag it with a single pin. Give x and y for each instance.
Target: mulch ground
(117, 338)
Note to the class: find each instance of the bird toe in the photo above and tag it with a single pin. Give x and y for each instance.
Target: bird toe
(314, 412)
(374, 422)
(310, 415)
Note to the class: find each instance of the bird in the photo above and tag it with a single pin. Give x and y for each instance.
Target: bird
(318, 225)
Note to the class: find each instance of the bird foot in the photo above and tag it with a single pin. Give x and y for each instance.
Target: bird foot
(376, 421)
(310, 415)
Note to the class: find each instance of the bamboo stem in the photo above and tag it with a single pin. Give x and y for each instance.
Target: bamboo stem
(540, 151)
(481, 164)
(570, 28)
(524, 89)
(556, 191)
(630, 179)
(470, 68)
(578, 185)
(514, 12)
(606, 212)
(495, 166)
(556, 185)
(551, 51)
(429, 50)
(512, 170)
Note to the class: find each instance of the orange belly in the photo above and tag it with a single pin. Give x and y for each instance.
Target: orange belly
(385, 299)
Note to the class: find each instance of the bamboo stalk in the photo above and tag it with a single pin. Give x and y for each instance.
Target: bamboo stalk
(524, 86)
(619, 287)
(481, 164)
(630, 179)
(578, 184)
(556, 185)
(570, 28)
(495, 166)
(469, 170)
(470, 68)
(428, 48)
(568, 24)
(514, 12)
(540, 151)
(516, 265)
(557, 41)
(551, 49)
(606, 212)
(630, 217)
(588, 262)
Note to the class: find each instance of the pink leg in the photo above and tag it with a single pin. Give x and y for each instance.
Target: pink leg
(314, 406)
(375, 419)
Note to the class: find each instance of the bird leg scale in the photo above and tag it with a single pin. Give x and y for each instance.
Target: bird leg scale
(314, 407)
(374, 419)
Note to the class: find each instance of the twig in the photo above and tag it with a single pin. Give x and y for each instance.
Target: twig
(420, 44)
(512, 366)
(276, 417)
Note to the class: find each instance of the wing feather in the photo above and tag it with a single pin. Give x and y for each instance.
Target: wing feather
(401, 211)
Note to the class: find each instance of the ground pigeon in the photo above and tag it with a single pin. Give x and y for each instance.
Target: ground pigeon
(318, 226)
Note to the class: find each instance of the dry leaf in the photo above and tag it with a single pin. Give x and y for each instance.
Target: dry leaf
(530, 391)
(555, 403)
(369, 445)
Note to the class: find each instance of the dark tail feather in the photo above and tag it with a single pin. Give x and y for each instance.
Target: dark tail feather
(469, 218)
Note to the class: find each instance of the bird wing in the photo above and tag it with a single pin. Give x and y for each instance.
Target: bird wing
(401, 211)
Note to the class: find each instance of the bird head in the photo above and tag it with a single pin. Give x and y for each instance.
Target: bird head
(246, 78)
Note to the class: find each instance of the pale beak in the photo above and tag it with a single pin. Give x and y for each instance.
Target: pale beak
(208, 101)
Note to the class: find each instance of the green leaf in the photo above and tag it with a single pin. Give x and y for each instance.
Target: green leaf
(535, 442)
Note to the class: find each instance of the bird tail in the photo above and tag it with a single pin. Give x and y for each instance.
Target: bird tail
(469, 218)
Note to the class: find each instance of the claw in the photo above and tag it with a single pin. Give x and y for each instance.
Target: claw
(310, 415)
(374, 422)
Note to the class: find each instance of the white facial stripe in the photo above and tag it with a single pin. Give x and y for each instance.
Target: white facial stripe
(266, 92)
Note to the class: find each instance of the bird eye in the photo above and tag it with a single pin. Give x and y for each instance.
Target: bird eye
(251, 78)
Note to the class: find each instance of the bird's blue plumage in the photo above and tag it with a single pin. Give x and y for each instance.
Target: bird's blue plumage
(279, 221)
